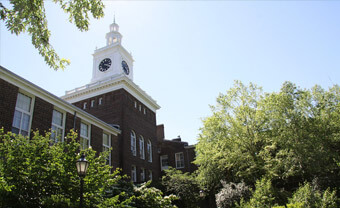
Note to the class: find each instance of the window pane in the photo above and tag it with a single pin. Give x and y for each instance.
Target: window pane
(15, 130)
(53, 134)
(83, 130)
(57, 118)
(24, 133)
(17, 119)
(25, 122)
(23, 102)
(106, 140)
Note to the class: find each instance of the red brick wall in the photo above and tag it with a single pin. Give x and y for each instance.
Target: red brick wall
(42, 116)
(8, 98)
(96, 139)
(170, 148)
(118, 107)
(70, 123)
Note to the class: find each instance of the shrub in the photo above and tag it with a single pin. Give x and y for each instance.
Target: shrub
(231, 193)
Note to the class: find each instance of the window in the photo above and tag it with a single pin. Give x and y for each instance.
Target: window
(140, 108)
(57, 126)
(92, 103)
(133, 174)
(149, 151)
(135, 104)
(144, 111)
(100, 101)
(141, 147)
(179, 158)
(142, 174)
(164, 162)
(84, 106)
(22, 115)
(133, 144)
(84, 136)
(107, 147)
(150, 175)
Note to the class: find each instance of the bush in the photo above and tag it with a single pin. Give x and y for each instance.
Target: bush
(310, 197)
(184, 186)
(36, 173)
(263, 196)
(231, 193)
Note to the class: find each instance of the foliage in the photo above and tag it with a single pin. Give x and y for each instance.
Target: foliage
(183, 185)
(37, 173)
(231, 193)
(30, 17)
(263, 196)
(150, 197)
(288, 136)
(310, 197)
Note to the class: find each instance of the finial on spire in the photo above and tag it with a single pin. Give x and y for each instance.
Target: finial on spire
(114, 18)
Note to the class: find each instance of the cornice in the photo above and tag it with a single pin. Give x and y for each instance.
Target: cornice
(109, 85)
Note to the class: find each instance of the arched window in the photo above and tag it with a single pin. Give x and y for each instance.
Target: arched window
(133, 143)
(141, 147)
(149, 151)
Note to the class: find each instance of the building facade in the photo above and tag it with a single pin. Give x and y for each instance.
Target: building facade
(110, 111)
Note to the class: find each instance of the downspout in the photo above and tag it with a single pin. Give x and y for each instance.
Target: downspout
(74, 120)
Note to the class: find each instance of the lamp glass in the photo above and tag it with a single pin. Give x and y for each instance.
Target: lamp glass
(82, 165)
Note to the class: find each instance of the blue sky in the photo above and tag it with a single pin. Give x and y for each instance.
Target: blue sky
(187, 52)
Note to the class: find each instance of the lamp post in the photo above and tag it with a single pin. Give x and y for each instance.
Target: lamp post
(82, 165)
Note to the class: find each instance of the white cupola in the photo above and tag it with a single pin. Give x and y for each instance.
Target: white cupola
(113, 36)
(112, 60)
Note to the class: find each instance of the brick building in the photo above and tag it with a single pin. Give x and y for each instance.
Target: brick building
(111, 111)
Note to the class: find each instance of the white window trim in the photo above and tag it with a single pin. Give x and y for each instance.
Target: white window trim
(133, 147)
(92, 103)
(31, 110)
(100, 101)
(149, 147)
(88, 133)
(179, 167)
(163, 167)
(141, 147)
(133, 173)
(62, 123)
(109, 147)
(84, 105)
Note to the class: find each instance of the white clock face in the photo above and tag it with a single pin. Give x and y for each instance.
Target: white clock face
(104, 65)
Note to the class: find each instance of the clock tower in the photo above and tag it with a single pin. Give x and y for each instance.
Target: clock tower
(112, 60)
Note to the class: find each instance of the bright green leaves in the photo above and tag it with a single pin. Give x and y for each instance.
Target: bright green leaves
(35, 173)
(288, 136)
(78, 11)
(29, 16)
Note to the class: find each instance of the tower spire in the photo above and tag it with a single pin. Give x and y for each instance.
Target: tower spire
(114, 18)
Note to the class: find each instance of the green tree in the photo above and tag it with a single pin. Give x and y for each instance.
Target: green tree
(263, 196)
(35, 173)
(310, 197)
(183, 185)
(29, 16)
(289, 137)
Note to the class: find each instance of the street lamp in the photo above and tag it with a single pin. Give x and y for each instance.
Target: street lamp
(201, 193)
(82, 165)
